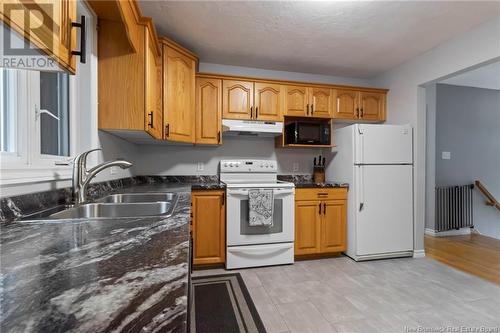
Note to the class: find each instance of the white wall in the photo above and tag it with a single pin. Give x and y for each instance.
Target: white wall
(406, 98)
(182, 160)
(430, 156)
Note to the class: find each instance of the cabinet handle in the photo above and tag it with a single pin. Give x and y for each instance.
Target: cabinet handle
(312, 109)
(167, 130)
(357, 112)
(218, 137)
(83, 39)
(251, 112)
(256, 112)
(223, 200)
(150, 115)
(307, 113)
(361, 116)
(320, 208)
(324, 208)
(321, 194)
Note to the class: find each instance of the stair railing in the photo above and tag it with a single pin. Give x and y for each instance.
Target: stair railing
(490, 199)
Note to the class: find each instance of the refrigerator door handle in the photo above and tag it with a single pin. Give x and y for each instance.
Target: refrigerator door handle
(361, 189)
(360, 149)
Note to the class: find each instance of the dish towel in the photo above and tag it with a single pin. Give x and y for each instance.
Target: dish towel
(260, 203)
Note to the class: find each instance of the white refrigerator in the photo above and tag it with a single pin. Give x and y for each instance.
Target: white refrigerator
(377, 162)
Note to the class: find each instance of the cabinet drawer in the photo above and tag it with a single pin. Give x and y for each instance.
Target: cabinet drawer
(320, 193)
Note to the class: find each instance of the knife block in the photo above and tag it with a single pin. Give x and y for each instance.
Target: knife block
(319, 174)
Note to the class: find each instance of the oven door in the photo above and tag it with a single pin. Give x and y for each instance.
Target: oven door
(240, 233)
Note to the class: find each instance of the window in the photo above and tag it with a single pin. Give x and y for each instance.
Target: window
(34, 119)
(8, 110)
(54, 114)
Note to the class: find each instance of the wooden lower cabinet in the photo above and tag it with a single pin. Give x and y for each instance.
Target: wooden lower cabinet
(333, 226)
(320, 223)
(209, 227)
(307, 227)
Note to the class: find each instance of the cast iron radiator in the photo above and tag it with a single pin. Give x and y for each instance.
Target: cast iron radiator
(454, 207)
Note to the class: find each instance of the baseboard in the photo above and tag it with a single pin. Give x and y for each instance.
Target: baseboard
(418, 253)
(434, 233)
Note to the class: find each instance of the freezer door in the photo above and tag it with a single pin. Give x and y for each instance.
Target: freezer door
(383, 144)
(384, 214)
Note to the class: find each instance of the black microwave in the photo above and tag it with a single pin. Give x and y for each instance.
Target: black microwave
(309, 133)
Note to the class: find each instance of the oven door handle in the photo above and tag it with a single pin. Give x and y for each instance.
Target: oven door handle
(261, 249)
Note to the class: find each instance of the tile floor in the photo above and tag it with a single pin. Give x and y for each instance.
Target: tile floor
(397, 295)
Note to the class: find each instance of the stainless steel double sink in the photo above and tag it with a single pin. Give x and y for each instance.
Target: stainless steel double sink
(122, 205)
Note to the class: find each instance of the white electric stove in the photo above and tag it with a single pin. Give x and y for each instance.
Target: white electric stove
(251, 246)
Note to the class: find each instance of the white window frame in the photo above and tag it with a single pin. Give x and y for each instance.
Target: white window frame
(28, 164)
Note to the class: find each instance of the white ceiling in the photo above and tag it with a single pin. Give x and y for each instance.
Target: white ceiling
(487, 77)
(346, 38)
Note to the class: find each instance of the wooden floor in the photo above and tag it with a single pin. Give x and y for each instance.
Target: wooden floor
(475, 254)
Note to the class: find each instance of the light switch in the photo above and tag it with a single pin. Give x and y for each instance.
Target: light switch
(446, 155)
(200, 167)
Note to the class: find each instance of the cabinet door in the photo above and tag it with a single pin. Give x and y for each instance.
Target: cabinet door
(178, 96)
(296, 101)
(307, 227)
(153, 114)
(48, 26)
(321, 102)
(268, 104)
(208, 110)
(333, 226)
(209, 242)
(372, 106)
(347, 105)
(237, 99)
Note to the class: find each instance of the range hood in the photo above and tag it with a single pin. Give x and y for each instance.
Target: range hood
(252, 127)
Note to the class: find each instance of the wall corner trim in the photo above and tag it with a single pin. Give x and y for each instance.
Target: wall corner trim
(418, 253)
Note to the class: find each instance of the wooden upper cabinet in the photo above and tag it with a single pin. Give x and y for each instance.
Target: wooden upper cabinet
(372, 106)
(208, 110)
(209, 237)
(178, 95)
(307, 227)
(237, 99)
(333, 226)
(49, 27)
(346, 104)
(296, 101)
(321, 102)
(153, 102)
(268, 101)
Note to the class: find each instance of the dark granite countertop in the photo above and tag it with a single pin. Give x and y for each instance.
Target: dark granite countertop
(208, 186)
(306, 181)
(120, 275)
(321, 185)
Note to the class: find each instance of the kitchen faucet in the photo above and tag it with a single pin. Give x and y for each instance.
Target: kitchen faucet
(82, 176)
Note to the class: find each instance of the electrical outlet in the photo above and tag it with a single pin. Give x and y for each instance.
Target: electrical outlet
(295, 166)
(200, 166)
(446, 155)
(114, 170)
